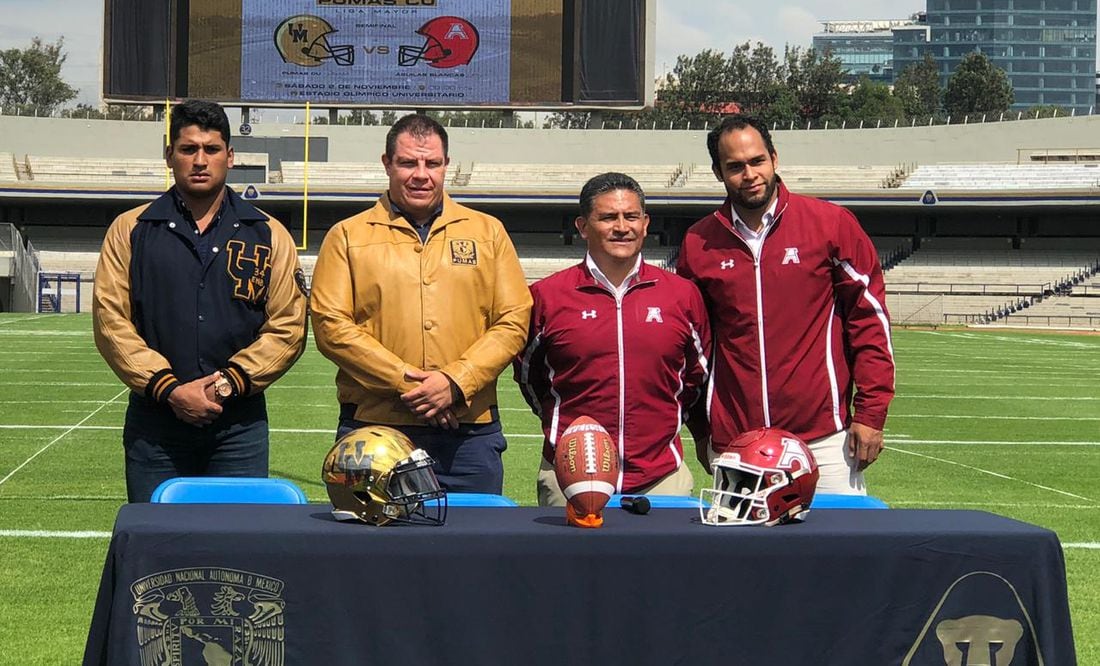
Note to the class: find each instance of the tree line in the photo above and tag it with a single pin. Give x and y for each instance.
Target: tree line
(803, 86)
(808, 86)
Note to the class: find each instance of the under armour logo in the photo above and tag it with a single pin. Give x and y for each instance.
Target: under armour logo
(588, 314)
(791, 257)
(727, 264)
(654, 314)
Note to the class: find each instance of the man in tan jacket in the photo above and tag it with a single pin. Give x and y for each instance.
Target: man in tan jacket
(199, 305)
(421, 303)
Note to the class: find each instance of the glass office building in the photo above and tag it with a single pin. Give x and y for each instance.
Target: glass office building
(911, 43)
(864, 48)
(1047, 47)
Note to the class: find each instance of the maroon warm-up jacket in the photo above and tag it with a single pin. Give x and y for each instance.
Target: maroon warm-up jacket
(797, 330)
(634, 366)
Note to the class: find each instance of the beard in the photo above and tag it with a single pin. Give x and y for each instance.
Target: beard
(749, 202)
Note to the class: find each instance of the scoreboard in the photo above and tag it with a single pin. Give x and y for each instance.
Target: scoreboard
(521, 54)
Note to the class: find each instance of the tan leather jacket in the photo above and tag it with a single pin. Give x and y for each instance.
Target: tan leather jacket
(383, 302)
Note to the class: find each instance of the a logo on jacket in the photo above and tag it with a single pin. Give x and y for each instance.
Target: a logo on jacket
(654, 314)
(250, 268)
(791, 256)
(588, 314)
(727, 264)
(463, 252)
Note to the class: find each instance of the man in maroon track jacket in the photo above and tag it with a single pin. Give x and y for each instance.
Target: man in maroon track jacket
(798, 309)
(618, 340)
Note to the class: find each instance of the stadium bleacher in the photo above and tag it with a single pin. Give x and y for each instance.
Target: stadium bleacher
(1060, 311)
(569, 177)
(965, 280)
(892, 249)
(7, 168)
(334, 173)
(64, 239)
(824, 178)
(986, 176)
(475, 175)
(94, 170)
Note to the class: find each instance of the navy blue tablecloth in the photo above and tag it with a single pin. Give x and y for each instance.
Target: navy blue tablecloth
(280, 585)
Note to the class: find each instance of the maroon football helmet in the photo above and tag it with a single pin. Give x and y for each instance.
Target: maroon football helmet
(765, 477)
(449, 41)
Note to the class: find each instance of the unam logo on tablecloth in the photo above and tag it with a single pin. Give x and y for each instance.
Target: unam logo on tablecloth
(980, 619)
(209, 615)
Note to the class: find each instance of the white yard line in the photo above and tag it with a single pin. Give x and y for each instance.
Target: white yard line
(67, 428)
(61, 384)
(21, 320)
(1029, 398)
(687, 438)
(907, 383)
(992, 473)
(896, 504)
(52, 334)
(993, 442)
(61, 436)
(53, 534)
(294, 431)
(1005, 338)
(987, 417)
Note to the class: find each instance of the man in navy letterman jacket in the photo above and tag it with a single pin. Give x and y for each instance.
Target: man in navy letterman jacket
(798, 309)
(620, 341)
(199, 305)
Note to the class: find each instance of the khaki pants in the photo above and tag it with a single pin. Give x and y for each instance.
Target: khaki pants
(839, 471)
(676, 482)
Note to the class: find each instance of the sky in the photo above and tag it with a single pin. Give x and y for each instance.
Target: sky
(684, 27)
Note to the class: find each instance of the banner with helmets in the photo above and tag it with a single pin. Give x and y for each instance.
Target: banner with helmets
(379, 52)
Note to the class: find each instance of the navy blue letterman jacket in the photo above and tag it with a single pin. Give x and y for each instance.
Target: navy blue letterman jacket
(171, 306)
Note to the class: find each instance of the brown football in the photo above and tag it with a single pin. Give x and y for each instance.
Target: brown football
(586, 464)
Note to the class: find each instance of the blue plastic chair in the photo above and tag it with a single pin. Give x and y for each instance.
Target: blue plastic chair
(227, 490)
(832, 501)
(479, 499)
(662, 501)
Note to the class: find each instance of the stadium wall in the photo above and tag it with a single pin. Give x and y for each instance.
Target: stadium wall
(979, 142)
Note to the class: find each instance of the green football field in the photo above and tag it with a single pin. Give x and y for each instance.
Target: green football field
(1005, 422)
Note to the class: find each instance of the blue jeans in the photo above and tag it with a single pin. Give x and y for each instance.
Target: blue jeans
(467, 460)
(160, 447)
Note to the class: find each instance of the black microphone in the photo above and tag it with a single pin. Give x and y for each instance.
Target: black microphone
(637, 505)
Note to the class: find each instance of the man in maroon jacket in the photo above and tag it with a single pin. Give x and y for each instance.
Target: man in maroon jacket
(618, 340)
(798, 307)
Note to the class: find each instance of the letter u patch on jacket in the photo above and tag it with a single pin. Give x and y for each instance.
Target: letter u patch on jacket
(250, 268)
(463, 252)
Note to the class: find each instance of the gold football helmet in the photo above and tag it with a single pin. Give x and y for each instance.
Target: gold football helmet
(376, 475)
(303, 40)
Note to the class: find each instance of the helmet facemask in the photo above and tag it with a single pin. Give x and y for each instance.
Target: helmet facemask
(322, 50)
(745, 494)
(739, 495)
(415, 495)
(375, 475)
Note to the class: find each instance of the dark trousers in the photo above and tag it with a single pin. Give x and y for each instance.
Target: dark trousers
(467, 460)
(160, 447)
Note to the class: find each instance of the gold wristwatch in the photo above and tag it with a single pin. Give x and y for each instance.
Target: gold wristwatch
(223, 389)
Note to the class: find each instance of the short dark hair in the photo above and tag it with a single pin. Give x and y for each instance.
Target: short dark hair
(418, 125)
(206, 115)
(737, 121)
(608, 182)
